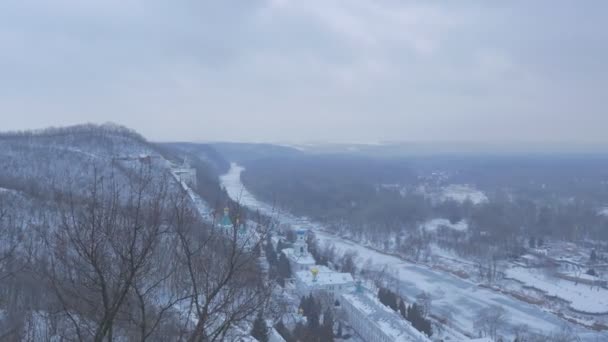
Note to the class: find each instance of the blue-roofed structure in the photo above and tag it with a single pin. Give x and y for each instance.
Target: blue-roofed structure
(225, 221)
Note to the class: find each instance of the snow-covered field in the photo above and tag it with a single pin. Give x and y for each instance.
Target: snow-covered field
(434, 224)
(581, 297)
(452, 296)
(456, 297)
(7, 190)
(461, 193)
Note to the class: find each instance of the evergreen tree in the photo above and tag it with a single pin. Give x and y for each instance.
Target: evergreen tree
(392, 300)
(280, 246)
(311, 307)
(313, 321)
(388, 298)
(271, 254)
(283, 331)
(402, 309)
(327, 330)
(593, 256)
(260, 330)
(300, 332)
(284, 270)
(348, 264)
(303, 305)
(416, 317)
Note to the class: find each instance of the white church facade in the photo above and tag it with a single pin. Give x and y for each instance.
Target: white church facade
(298, 255)
(310, 278)
(372, 320)
(375, 322)
(323, 279)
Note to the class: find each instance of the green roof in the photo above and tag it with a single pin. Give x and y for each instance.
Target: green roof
(226, 222)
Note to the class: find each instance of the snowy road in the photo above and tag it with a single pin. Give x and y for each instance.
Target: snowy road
(450, 294)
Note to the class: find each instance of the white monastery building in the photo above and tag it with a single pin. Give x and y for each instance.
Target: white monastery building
(375, 322)
(298, 256)
(321, 278)
(185, 173)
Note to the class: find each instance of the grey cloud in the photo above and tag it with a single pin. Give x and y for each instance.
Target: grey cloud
(357, 70)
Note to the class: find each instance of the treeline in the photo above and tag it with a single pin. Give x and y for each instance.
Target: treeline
(70, 132)
(319, 326)
(97, 140)
(335, 189)
(42, 162)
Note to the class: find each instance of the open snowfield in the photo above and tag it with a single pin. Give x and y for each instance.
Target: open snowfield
(581, 297)
(434, 224)
(461, 193)
(460, 298)
(453, 295)
(7, 190)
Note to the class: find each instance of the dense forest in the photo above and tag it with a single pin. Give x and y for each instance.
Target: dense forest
(550, 197)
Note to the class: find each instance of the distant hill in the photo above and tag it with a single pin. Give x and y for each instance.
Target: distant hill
(41, 162)
(242, 152)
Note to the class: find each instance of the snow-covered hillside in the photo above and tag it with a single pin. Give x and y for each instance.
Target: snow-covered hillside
(43, 162)
(102, 237)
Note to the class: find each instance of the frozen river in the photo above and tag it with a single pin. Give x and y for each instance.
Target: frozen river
(461, 298)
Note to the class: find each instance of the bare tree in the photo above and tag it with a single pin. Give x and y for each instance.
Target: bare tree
(221, 274)
(521, 332)
(425, 300)
(565, 334)
(10, 237)
(101, 252)
(578, 271)
(348, 263)
(489, 320)
(14, 258)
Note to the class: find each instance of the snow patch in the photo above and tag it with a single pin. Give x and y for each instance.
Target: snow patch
(582, 297)
(462, 192)
(435, 224)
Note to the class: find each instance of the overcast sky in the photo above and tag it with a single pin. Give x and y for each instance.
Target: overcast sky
(309, 70)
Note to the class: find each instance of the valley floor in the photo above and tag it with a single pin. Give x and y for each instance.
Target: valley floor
(453, 297)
